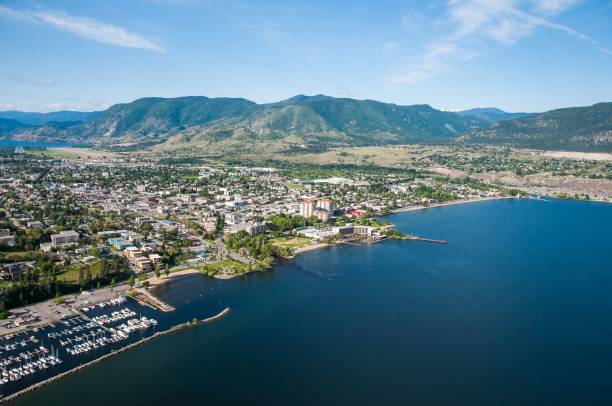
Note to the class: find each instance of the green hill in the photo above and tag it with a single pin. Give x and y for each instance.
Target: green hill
(302, 120)
(314, 122)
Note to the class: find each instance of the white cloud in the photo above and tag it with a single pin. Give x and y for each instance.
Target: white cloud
(605, 50)
(84, 27)
(477, 24)
(553, 7)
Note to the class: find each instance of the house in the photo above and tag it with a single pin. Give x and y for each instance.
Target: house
(7, 238)
(13, 271)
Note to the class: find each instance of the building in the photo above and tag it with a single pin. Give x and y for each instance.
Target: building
(355, 213)
(7, 238)
(322, 214)
(327, 204)
(14, 270)
(350, 230)
(35, 224)
(65, 237)
(138, 259)
(156, 259)
(316, 234)
(110, 234)
(119, 243)
(307, 208)
(256, 228)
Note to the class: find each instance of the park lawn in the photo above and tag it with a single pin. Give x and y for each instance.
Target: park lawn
(291, 242)
(217, 266)
(54, 153)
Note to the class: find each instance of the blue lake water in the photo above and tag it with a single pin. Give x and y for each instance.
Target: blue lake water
(33, 144)
(515, 309)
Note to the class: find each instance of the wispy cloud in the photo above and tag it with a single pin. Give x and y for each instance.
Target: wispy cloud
(478, 24)
(27, 80)
(84, 27)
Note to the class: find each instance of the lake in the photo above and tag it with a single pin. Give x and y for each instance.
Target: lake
(33, 144)
(515, 309)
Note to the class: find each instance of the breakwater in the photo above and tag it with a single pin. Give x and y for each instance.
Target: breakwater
(173, 329)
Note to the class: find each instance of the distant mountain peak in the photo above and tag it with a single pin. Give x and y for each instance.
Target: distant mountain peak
(491, 114)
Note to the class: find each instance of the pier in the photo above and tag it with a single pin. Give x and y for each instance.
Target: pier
(430, 240)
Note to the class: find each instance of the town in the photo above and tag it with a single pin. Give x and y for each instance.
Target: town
(68, 226)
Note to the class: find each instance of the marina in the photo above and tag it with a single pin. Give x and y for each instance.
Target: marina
(35, 355)
(89, 332)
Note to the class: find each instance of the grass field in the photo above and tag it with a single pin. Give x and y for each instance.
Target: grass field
(215, 267)
(291, 242)
(84, 154)
(71, 274)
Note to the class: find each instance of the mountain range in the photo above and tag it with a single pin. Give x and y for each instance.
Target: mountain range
(491, 114)
(308, 122)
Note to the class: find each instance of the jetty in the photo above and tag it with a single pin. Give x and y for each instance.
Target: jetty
(429, 240)
(145, 298)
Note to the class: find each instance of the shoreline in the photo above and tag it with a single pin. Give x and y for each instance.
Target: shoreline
(452, 203)
(317, 246)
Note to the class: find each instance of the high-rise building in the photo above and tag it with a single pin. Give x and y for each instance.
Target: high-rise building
(307, 208)
(327, 204)
(322, 214)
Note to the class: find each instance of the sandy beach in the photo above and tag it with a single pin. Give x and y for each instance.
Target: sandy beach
(311, 247)
(454, 202)
(154, 280)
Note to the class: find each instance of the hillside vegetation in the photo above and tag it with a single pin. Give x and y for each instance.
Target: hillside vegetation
(312, 123)
(299, 121)
(575, 128)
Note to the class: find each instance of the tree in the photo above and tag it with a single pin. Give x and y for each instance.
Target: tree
(113, 283)
(81, 277)
(167, 270)
(157, 271)
(219, 225)
(131, 281)
(95, 251)
(59, 299)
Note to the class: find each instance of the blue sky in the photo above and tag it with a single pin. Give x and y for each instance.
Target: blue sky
(530, 55)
